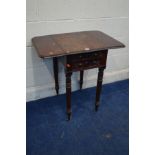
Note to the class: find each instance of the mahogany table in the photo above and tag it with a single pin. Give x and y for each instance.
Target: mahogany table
(82, 50)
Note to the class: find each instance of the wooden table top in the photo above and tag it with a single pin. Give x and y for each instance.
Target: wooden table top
(73, 43)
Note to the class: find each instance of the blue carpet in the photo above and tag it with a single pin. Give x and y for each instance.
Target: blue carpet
(88, 133)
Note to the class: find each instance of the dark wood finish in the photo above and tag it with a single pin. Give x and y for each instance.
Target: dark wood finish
(99, 87)
(73, 43)
(68, 93)
(79, 62)
(55, 69)
(81, 78)
(82, 50)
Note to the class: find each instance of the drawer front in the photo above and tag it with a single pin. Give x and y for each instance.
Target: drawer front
(84, 61)
(86, 56)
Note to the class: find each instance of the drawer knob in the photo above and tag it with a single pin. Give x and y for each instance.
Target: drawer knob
(95, 62)
(68, 65)
(80, 64)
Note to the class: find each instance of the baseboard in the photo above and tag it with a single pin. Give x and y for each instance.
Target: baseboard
(38, 92)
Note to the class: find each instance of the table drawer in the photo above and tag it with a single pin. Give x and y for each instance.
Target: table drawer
(86, 61)
(87, 56)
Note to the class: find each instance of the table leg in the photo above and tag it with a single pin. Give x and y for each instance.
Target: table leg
(68, 93)
(55, 68)
(81, 78)
(99, 87)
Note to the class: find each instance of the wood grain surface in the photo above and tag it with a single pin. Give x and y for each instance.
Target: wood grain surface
(74, 43)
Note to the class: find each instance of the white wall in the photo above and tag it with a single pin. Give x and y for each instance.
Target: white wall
(60, 16)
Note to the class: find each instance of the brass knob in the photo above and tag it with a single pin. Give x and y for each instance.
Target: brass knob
(80, 64)
(68, 65)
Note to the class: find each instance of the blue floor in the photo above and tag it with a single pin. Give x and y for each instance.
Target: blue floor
(88, 133)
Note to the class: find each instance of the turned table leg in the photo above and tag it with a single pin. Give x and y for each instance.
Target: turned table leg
(55, 68)
(99, 87)
(68, 93)
(81, 78)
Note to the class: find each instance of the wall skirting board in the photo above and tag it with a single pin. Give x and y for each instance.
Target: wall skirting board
(38, 92)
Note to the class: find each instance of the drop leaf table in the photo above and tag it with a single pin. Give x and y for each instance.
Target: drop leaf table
(82, 50)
